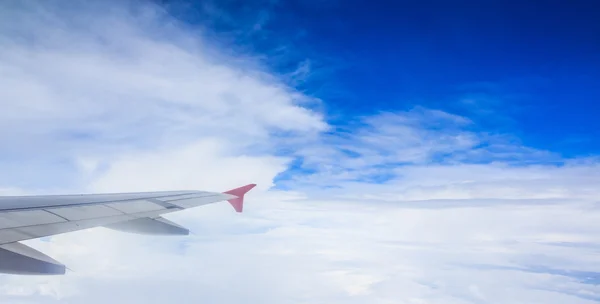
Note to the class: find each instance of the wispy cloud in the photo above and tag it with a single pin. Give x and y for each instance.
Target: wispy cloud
(390, 145)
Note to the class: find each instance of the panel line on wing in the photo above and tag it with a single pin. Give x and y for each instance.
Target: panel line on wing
(10, 235)
(164, 204)
(6, 238)
(62, 217)
(113, 208)
(175, 196)
(186, 197)
(18, 230)
(20, 218)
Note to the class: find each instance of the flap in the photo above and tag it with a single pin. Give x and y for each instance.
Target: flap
(151, 226)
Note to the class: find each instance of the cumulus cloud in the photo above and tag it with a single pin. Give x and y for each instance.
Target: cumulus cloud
(425, 209)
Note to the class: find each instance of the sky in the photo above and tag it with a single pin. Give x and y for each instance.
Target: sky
(416, 152)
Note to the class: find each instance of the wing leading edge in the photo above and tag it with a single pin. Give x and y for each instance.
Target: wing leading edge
(29, 217)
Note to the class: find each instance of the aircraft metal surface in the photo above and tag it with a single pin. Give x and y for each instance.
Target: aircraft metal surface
(29, 217)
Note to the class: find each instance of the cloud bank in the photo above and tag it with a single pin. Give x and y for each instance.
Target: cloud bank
(399, 207)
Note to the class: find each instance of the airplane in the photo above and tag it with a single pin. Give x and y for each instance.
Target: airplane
(30, 217)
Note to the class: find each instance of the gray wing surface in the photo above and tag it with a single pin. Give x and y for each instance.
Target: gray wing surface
(29, 217)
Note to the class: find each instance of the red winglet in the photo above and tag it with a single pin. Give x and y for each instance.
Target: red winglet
(238, 203)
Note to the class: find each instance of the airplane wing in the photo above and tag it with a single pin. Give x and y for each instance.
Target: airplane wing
(29, 217)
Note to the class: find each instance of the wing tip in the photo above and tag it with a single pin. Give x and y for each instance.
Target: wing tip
(238, 203)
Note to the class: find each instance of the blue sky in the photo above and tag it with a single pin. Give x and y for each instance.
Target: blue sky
(521, 71)
(524, 73)
(523, 68)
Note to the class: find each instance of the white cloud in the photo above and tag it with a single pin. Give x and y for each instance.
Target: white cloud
(301, 251)
(394, 146)
(92, 85)
(127, 101)
(208, 163)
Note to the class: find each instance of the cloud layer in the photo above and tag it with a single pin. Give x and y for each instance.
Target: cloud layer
(401, 207)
